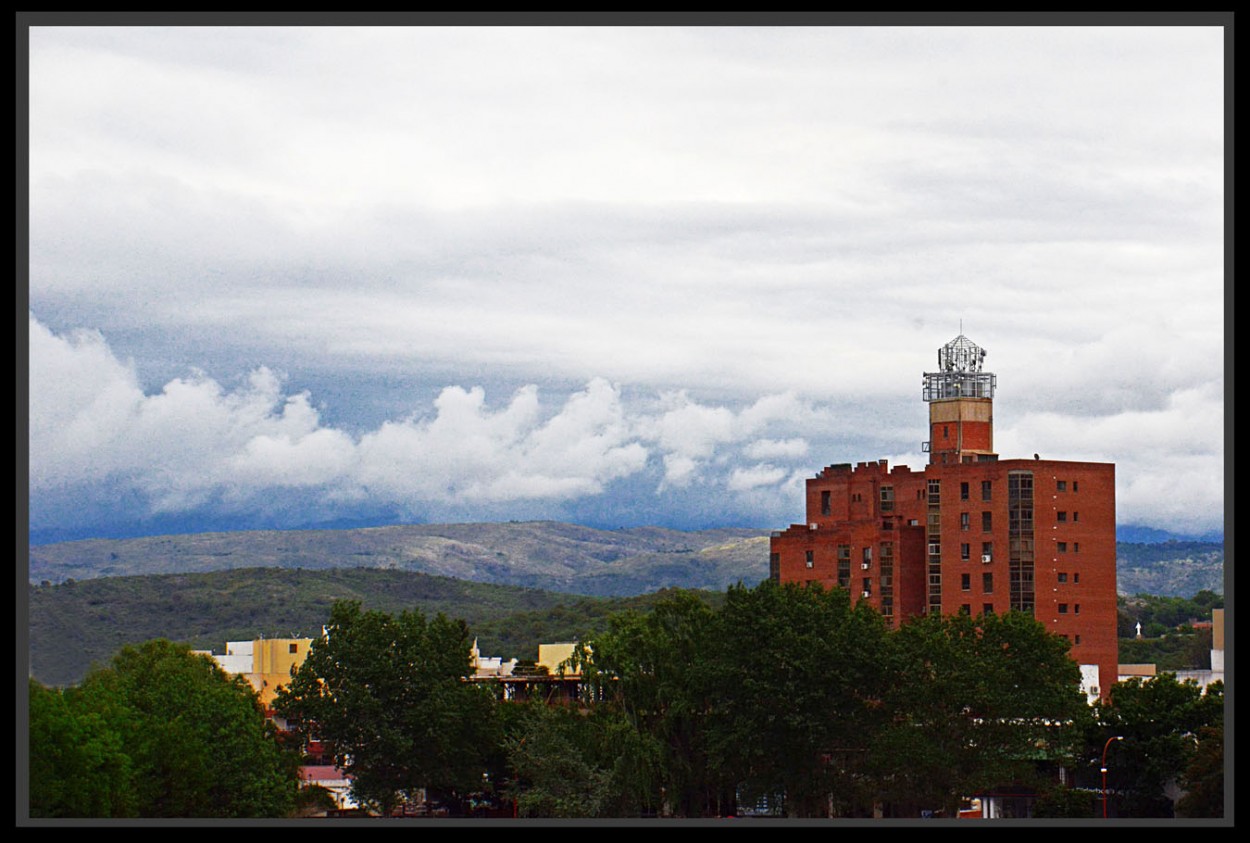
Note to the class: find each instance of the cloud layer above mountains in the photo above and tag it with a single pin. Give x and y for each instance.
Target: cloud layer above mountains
(102, 448)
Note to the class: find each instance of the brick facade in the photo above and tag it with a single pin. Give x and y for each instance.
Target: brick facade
(969, 533)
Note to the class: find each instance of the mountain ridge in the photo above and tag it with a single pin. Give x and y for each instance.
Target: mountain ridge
(549, 555)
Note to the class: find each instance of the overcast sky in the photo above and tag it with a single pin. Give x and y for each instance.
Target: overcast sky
(293, 276)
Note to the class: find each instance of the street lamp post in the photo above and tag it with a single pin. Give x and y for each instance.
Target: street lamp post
(1105, 747)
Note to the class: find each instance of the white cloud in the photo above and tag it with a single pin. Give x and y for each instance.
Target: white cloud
(81, 397)
(194, 441)
(692, 436)
(468, 453)
(763, 474)
(91, 424)
(762, 449)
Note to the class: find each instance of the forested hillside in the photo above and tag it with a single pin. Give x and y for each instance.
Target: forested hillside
(78, 623)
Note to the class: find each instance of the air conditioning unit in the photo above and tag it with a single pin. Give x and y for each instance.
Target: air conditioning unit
(867, 593)
(812, 526)
(986, 558)
(865, 565)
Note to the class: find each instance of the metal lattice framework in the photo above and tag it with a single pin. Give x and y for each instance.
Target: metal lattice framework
(959, 375)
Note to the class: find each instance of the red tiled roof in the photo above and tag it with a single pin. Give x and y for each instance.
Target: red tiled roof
(321, 773)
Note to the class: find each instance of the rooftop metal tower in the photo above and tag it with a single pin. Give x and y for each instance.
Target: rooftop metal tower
(959, 373)
(961, 407)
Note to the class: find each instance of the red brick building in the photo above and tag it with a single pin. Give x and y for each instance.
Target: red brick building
(970, 532)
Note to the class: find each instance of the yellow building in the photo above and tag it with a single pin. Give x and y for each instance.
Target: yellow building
(265, 663)
(272, 660)
(552, 656)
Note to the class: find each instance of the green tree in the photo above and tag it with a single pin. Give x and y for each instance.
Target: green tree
(388, 695)
(180, 736)
(1160, 721)
(78, 763)
(652, 670)
(797, 683)
(1203, 778)
(1063, 802)
(560, 768)
(1158, 614)
(978, 702)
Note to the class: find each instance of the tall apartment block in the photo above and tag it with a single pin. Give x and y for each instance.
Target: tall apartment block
(971, 532)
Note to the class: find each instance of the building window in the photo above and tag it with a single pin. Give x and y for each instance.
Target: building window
(774, 567)
(1076, 608)
(987, 583)
(1021, 596)
(824, 503)
(867, 586)
(887, 498)
(987, 522)
(1061, 486)
(946, 432)
(1076, 516)
(1076, 578)
(987, 608)
(965, 551)
(1074, 485)
(1063, 577)
(963, 491)
(1078, 640)
(1063, 608)
(866, 560)
(810, 560)
(1063, 547)
(965, 609)
(987, 551)
(294, 648)
(987, 490)
(965, 582)
(965, 521)
(1061, 516)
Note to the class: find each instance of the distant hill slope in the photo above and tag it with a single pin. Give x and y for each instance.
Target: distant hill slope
(76, 624)
(1170, 569)
(533, 554)
(538, 554)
